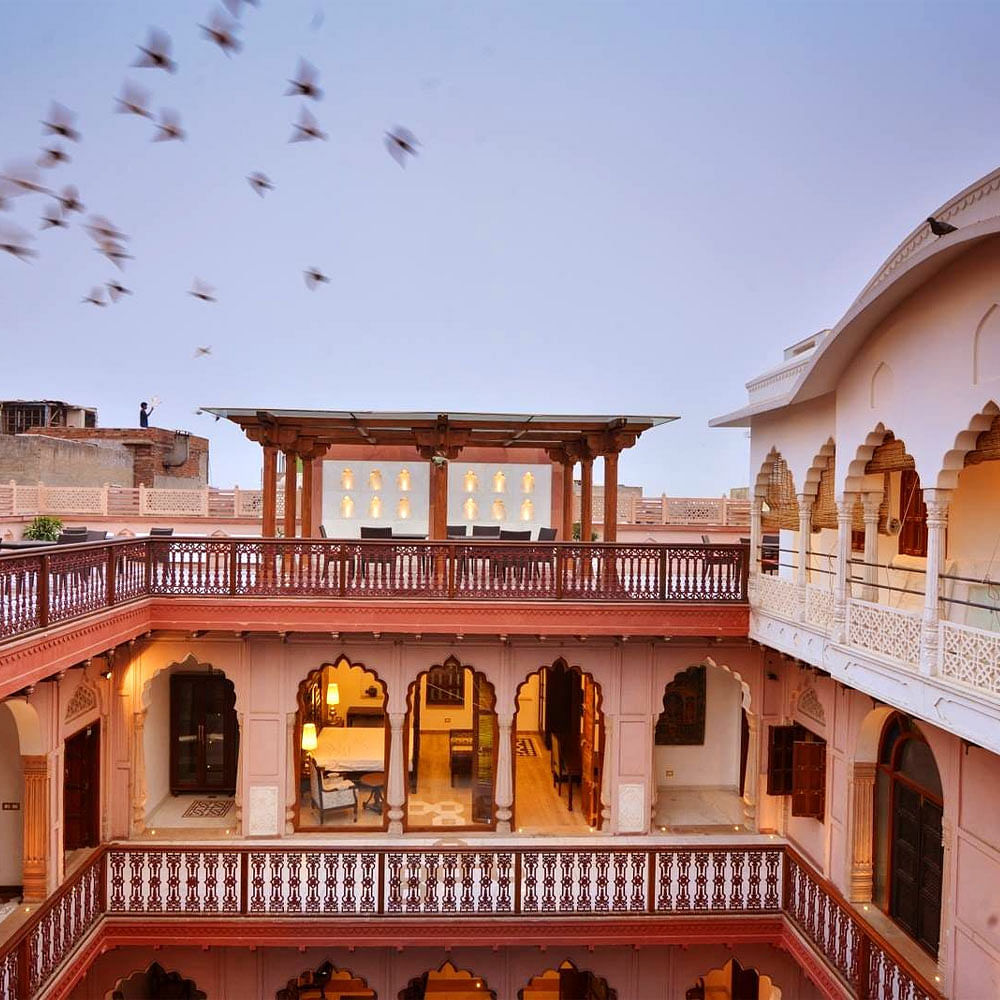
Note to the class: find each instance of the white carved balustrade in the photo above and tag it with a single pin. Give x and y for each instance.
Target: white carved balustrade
(885, 631)
(970, 656)
(819, 606)
(777, 596)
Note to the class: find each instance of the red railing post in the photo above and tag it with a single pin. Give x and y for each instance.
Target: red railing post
(110, 566)
(149, 566)
(862, 977)
(451, 571)
(23, 969)
(43, 592)
(342, 559)
(232, 567)
(661, 591)
(560, 568)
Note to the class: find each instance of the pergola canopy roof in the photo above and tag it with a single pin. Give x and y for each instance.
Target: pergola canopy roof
(444, 434)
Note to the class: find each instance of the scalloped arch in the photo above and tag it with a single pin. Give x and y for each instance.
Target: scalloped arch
(148, 978)
(416, 988)
(965, 441)
(540, 992)
(763, 474)
(863, 455)
(819, 464)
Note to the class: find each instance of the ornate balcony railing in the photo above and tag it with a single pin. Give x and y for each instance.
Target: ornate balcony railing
(56, 584)
(324, 883)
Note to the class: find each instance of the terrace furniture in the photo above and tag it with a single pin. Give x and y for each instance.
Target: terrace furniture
(547, 534)
(515, 536)
(375, 783)
(565, 761)
(458, 530)
(96, 536)
(459, 753)
(331, 791)
(322, 531)
(486, 531)
(375, 532)
(160, 532)
(371, 564)
(72, 536)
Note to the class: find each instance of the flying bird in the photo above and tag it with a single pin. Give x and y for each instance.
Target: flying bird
(134, 100)
(203, 352)
(52, 155)
(222, 29)
(155, 54)
(260, 182)
(24, 176)
(115, 252)
(169, 126)
(305, 82)
(54, 218)
(939, 228)
(116, 290)
(200, 290)
(401, 142)
(306, 128)
(314, 276)
(14, 240)
(60, 122)
(96, 297)
(101, 228)
(70, 199)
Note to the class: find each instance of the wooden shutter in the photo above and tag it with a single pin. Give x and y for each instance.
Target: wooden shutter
(779, 759)
(912, 515)
(483, 751)
(809, 779)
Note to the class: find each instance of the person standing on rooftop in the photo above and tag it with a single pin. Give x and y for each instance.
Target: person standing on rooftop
(144, 414)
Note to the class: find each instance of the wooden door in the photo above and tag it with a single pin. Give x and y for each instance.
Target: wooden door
(917, 859)
(204, 736)
(484, 748)
(591, 741)
(82, 788)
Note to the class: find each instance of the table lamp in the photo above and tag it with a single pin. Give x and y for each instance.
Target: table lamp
(333, 698)
(309, 741)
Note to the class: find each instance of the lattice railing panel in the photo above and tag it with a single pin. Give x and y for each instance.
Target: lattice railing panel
(777, 596)
(717, 880)
(449, 882)
(72, 500)
(584, 881)
(312, 882)
(162, 502)
(171, 881)
(819, 606)
(970, 656)
(884, 631)
(888, 980)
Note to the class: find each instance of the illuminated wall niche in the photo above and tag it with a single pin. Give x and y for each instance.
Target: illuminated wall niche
(375, 479)
(346, 507)
(347, 479)
(403, 508)
(499, 482)
(375, 507)
(527, 483)
(527, 510)
(470, 508)
(403, 481)
(499, 511)
(471, 481)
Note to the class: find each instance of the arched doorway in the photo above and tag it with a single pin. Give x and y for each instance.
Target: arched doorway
(701, 751)
(156, 984)
(909, 852)
(342, 736)
(733, 982)
(11, 822)
(191, 744)
(326, 983)
(451, 749)
(558, 751)
(447, 983)
(567, 982)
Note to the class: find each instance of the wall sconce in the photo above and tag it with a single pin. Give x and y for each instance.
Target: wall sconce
(470, 508)
(403, 508)
(333, 698)
(403, 480)
(375, 479)
(499, 511)
(499, 482)
(375, 507)
(309, 741)
(527, 483)
(527, 510)
(471, 481)
(347, 479)
(346, 507)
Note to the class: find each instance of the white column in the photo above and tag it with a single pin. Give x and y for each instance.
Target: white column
(870, 503)
(756, 506)
(395, 793)
(138, 774)
(751, 780)
(936, 502)
(842, 588)
(293, 776)
(805, 501)
(505, 773)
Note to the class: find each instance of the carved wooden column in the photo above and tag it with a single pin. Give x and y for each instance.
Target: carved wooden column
(505, 773)
(138, 774)
(437, 517)
(35, 821)
(291, 486)
(842, 586)
(936, 502)
(756, 509)
(269, 493)
(805, 501)
(395, 789)
(586, 498)
(293, 778)
(870, 503)
(307, 529)
(863, 832)
(751, 780)
(567, 501)
(610, 528)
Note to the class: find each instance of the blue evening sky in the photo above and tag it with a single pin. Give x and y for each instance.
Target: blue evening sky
(617, 207)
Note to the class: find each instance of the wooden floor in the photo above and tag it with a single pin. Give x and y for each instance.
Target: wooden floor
(538, 806)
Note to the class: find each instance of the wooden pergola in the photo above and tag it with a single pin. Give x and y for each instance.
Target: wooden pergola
(307, 435)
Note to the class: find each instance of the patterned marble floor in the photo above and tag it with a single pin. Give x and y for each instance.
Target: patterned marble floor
(698, 810)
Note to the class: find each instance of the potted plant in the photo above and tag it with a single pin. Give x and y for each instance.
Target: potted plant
(43, 529)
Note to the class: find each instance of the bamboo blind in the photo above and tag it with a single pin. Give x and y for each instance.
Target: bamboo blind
(779, 495)
(987, 445)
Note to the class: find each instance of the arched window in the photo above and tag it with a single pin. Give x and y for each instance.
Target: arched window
(909, 853)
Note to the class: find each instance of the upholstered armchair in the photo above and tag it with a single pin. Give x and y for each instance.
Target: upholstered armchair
(331, 791)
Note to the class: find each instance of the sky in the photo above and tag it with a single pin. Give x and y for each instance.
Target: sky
(616, 207)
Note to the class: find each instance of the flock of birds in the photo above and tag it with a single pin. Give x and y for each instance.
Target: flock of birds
(26, 177)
